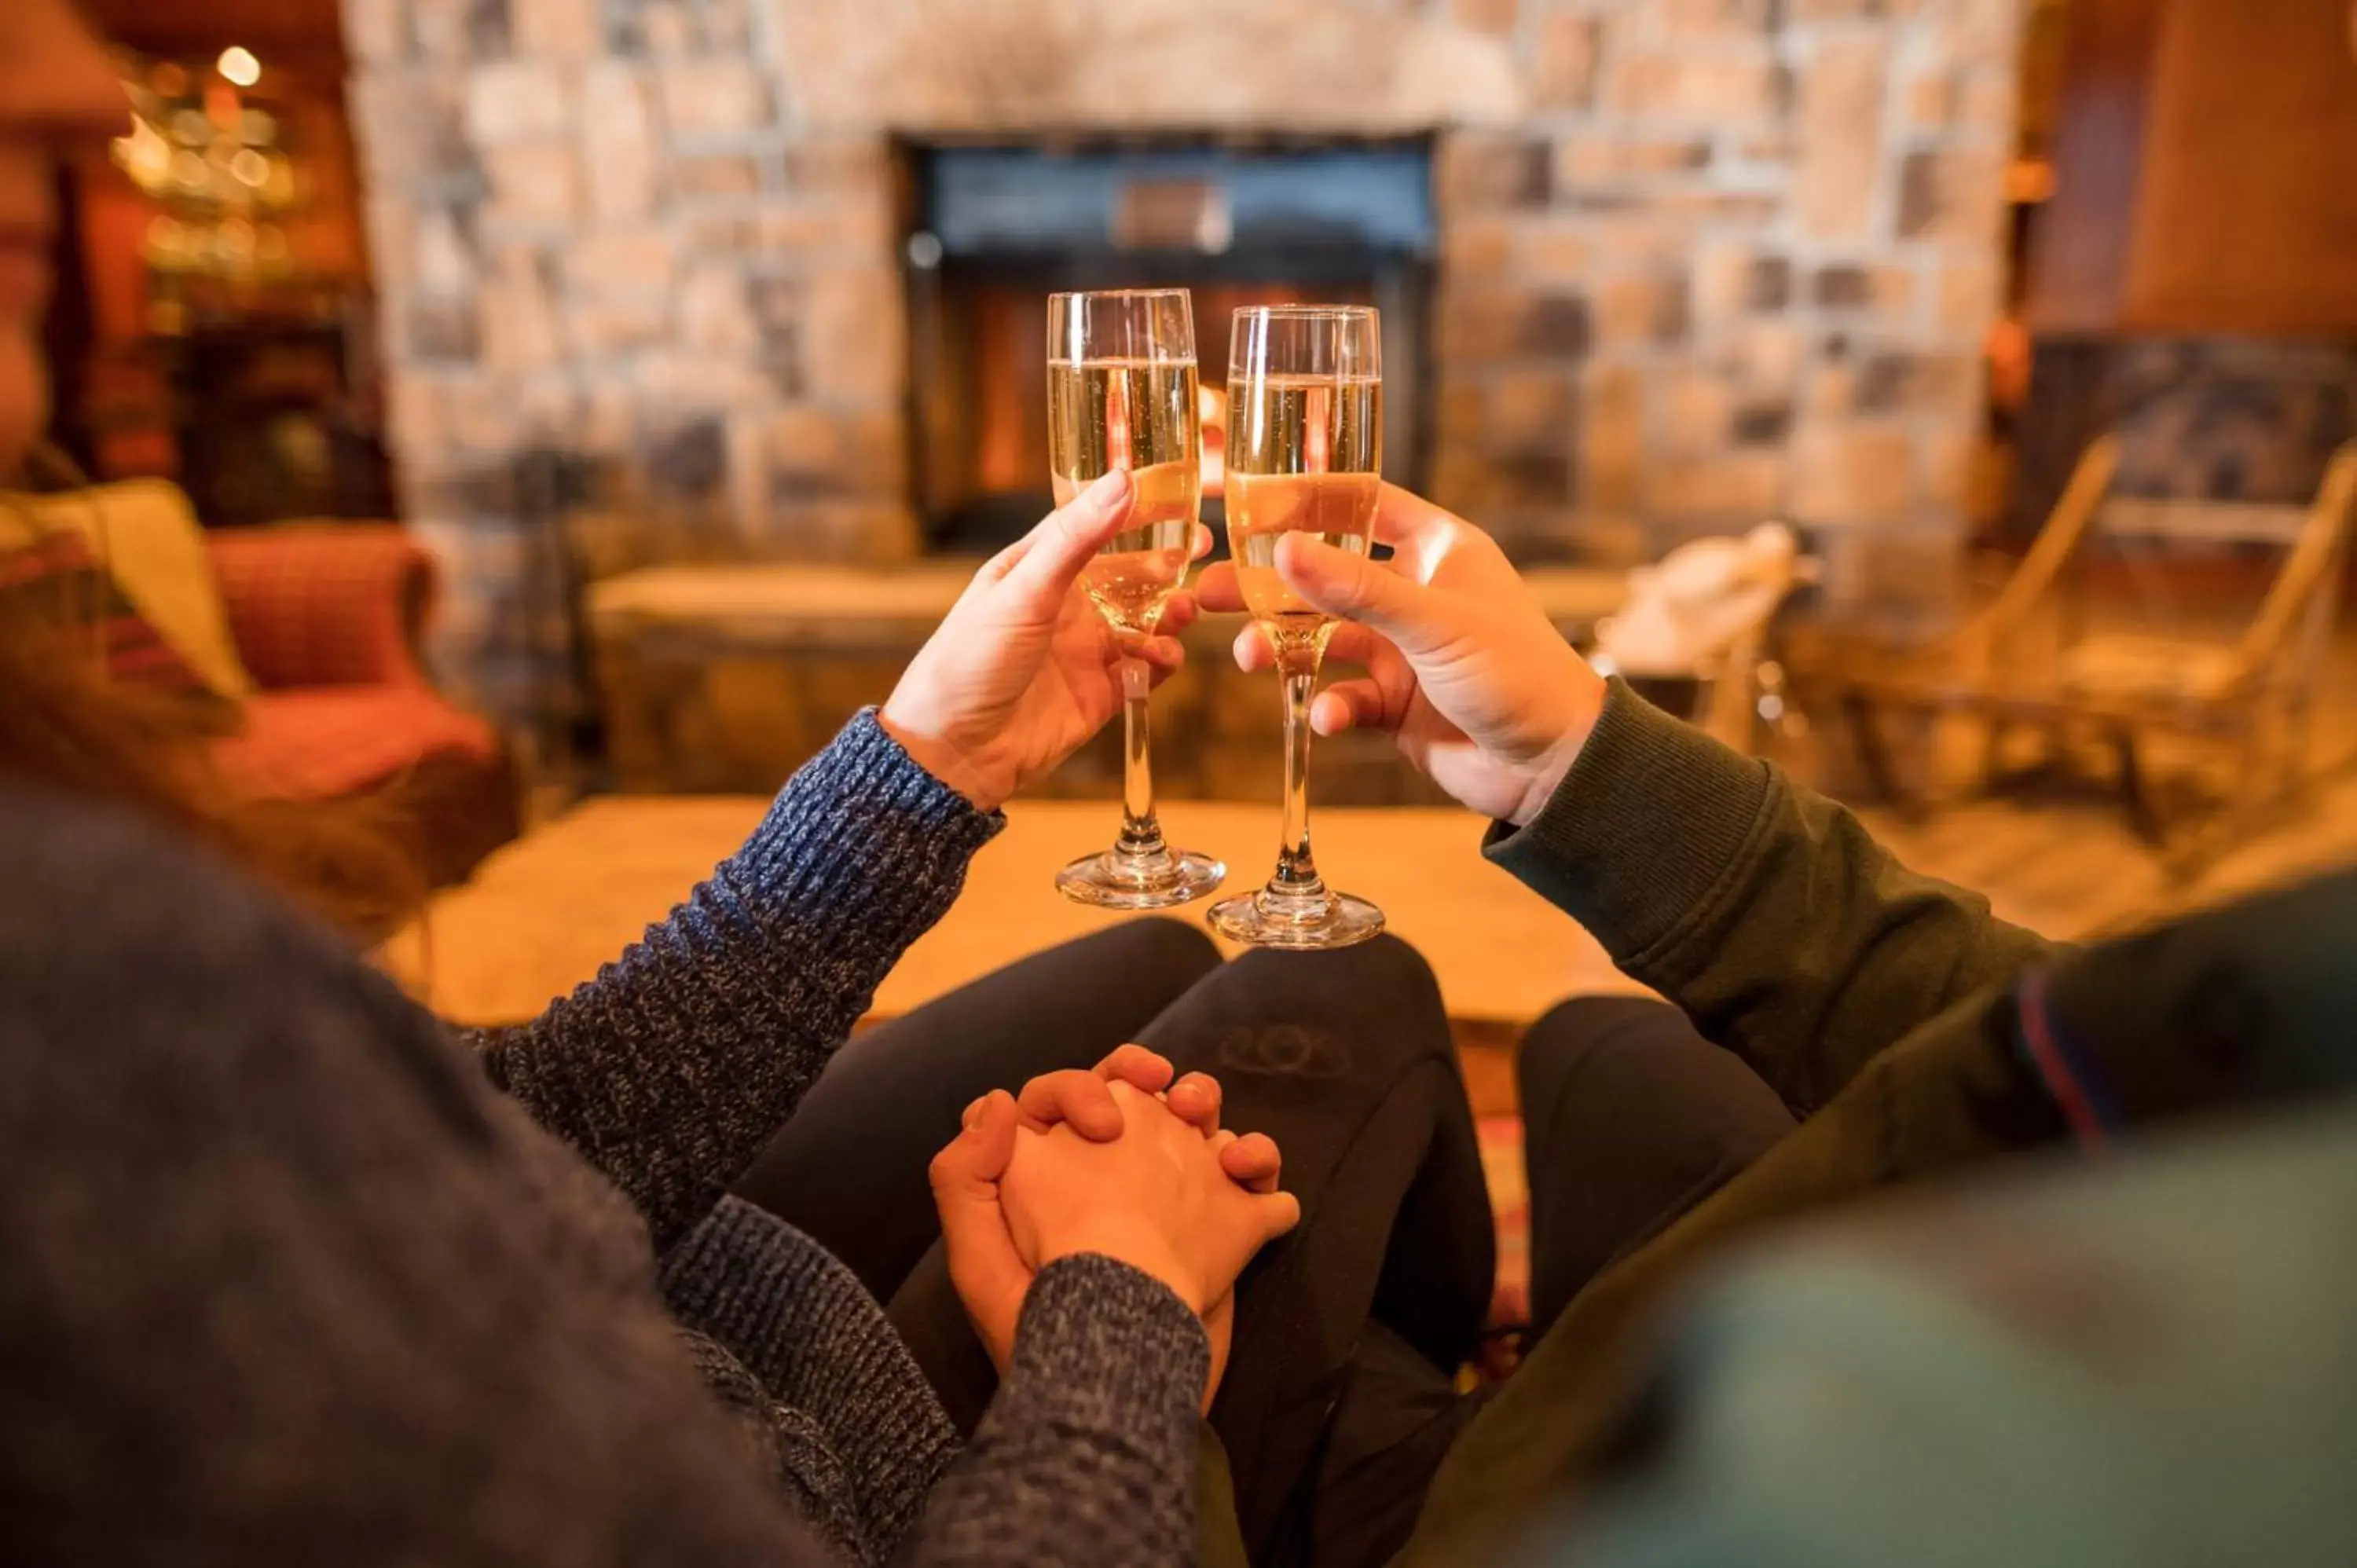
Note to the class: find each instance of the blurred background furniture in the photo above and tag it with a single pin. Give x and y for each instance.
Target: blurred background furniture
(328, 617)
(1866, 676)
(307, 637)
(2060, 653)
(1694, 631)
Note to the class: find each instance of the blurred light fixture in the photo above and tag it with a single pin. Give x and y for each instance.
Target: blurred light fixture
(214, 167)
(166, 238)
(146, 153)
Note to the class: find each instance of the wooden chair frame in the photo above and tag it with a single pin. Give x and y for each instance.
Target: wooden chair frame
(2261, 695)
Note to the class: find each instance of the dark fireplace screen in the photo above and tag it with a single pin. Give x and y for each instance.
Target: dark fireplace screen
(995, 229)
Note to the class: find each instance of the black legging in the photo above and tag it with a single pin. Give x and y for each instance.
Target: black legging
(1630, 1119)
(1340, 1398)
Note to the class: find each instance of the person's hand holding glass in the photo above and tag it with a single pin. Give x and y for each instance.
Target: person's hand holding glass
(1120, 395)
(1304, 456)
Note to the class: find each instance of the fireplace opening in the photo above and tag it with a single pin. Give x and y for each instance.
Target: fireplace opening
(995, 227)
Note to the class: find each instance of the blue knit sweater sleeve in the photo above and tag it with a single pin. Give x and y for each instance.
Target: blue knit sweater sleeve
(675, 1066)
(1086, 1459)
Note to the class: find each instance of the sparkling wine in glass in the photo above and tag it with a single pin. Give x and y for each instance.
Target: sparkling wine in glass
(1304, 451)
(1121, 394)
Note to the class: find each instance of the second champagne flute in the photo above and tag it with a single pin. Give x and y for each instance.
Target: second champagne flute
(1304, 455)
(1121, 394)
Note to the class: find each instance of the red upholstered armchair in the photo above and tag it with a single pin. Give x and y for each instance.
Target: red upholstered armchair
(327, 618)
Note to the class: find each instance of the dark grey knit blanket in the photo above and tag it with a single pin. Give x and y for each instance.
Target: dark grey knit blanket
(282, 1279)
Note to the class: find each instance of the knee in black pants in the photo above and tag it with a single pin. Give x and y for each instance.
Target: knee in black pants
(1161, 952)
(1363, 1014)
(1160, 943)
(1609, 1034)
(1630, 1118)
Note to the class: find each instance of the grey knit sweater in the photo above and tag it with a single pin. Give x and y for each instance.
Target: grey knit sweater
(281, 1279)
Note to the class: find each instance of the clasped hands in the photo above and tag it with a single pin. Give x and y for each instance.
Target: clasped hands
(1128, 1161)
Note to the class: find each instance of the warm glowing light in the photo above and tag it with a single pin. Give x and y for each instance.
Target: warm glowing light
(250, 167)
(239, 66)
(145, 154)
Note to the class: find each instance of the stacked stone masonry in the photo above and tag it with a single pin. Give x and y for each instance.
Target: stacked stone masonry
(1703, 262)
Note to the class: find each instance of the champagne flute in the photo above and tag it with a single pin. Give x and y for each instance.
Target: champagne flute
(1304, 451)
(1121, 394)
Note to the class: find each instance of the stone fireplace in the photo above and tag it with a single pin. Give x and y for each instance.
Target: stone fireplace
(1696, 262)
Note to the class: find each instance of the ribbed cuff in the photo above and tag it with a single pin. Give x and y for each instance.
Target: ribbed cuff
(1110, 1346)
(862, 821)
(1645, 826)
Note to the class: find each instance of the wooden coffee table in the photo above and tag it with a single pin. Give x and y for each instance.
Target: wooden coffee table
(539, 916)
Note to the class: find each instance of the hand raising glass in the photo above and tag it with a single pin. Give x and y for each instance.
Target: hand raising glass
(1022, 670)
(1463, 668)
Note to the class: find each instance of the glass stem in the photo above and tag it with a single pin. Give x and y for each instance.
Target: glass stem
(1140, 833)
(1297, 873)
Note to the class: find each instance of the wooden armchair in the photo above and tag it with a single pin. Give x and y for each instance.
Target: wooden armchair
(2030, 660)
(1958, 671)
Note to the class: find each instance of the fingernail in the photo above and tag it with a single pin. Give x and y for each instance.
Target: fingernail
(1110, 487)
(973, 1114)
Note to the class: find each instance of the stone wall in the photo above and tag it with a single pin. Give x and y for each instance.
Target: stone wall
(1704, 261)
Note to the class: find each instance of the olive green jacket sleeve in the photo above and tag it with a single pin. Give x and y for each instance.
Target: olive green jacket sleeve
(1765, 911)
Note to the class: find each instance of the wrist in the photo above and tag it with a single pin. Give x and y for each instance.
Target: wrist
(943, 760)
(1569, 730)
(1543, 780)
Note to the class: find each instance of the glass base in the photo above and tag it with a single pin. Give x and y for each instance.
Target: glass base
(1111, 880)
(1300, 922)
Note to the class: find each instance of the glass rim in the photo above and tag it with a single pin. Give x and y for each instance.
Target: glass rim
(1117, 293)
(1311, 312)
(1090, 326)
